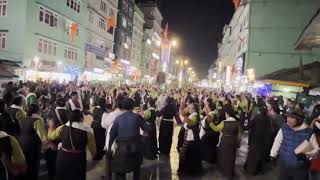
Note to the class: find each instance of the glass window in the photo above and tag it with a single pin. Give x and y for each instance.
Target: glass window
(3, 7)
(124, 22)
(48, 17)
(74, 5)
(90, 17)
(102, 23)
(3, 37)
(40, 46)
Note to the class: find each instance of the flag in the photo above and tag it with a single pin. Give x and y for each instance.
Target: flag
(236, 3)
(73, 29)
(111, 22)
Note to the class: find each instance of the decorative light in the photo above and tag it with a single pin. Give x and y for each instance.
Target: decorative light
(149, 41)
(156, 56)
(158, 43)
(186, 62)
(177, 61)
(174, 43)
(59, 63)
(125, 61)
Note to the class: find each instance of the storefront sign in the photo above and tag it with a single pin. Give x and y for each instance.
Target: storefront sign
(71, 69)
(44, 65)
(96, 50)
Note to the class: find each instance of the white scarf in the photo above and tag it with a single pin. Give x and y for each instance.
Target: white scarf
(57, 113)
(190, 136)
(81, 126)
(73, 106)
(16, 107)
(3, 134)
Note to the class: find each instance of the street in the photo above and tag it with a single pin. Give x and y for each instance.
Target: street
(165, 169)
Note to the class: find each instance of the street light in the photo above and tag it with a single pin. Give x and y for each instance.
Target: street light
(174, 43)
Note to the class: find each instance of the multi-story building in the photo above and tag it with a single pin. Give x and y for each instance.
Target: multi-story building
(261, 38)
(100, 26)
(123, 36)
(137, 36)
(153, 32)
(46, 37)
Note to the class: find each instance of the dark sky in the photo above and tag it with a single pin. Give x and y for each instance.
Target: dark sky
(198, 24)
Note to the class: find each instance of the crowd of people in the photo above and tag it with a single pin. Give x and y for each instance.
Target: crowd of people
(127, 124)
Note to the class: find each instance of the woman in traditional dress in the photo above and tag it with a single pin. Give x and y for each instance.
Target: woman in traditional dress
(17, 113)
(166, 126)
(33, 134)
(150, 141)
(12, 160)
(228, 142)
(209, 138)
(189, 154)
(71, 160)
(99, 132)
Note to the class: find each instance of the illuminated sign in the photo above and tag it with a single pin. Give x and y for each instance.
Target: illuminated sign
(71, 69)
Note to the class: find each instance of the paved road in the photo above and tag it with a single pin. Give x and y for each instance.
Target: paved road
(166, 168)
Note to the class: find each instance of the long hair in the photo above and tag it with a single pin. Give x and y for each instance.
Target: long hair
(75, 116)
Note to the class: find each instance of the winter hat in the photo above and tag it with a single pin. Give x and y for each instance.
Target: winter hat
(298, 114)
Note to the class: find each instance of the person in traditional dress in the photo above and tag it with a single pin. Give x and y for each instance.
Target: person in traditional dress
(71, 159)
(33, 135)
(209, 138)
(60, 112)
(99, 132)
(228, 142)
(259, 139)
(12, 160)
(314, 155)
(189, 153)
(106, 123)
(74, 102)
(32, 97)
(18, 115)
(150, 141)
(166, 126)
(125, 133)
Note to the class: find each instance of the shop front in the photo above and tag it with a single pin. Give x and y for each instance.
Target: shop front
(45, 70)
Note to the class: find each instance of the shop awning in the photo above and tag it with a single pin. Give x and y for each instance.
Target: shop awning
(7, 74)
(310, 37)
(286, 83)
(4, 62)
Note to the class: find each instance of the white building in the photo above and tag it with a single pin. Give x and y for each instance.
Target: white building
(153, 36)
(234, 44)
(101, 22)
(137, 35)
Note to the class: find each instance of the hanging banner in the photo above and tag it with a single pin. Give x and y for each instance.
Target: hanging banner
(73, 30)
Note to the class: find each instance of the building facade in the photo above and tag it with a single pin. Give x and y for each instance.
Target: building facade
(50, 46)
(100, 27)
(261, 38)
(153, 37)
(123, 36)
(137, 37)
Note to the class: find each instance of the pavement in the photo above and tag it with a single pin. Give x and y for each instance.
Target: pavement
(165, 168)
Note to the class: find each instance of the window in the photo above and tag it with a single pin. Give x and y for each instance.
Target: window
(102, 24)
(70, 53)
(89, 37)
(3, 7)
(90, 17)
(123, 38)
(47, 47)
(103, 6)
(74, 4)
(130, 12)
(111, 12)
(99, 57)
(124, 22)
(3, 40)
(48, 17)
(68, 28)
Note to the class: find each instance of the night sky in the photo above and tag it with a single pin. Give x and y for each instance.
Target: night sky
(198, 25)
